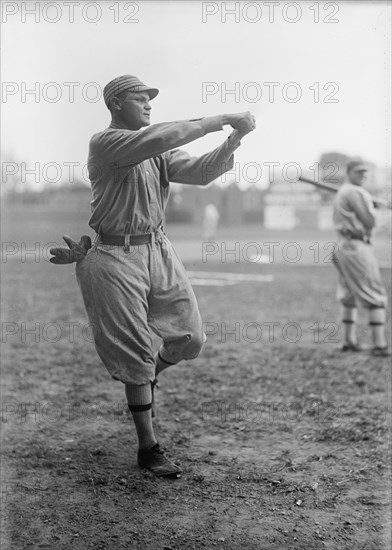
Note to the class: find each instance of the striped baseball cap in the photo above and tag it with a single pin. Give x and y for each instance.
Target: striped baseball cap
(126, 82)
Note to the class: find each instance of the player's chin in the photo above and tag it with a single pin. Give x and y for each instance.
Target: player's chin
(146, 121)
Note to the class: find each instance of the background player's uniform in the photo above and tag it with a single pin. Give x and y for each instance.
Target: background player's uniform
(359, 275)
(210, 222)
(128, 293)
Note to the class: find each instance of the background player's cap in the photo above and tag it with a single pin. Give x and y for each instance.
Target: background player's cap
(126, 82)
(357, 166)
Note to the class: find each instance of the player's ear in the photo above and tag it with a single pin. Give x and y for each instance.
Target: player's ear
(118, 103)
(115, 104)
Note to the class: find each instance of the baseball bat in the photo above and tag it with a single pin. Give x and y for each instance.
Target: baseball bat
(377, 201)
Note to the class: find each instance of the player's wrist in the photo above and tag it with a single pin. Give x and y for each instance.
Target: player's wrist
(212, 124)
(234, 139)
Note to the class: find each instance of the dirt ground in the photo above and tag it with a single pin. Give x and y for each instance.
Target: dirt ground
(284, 442)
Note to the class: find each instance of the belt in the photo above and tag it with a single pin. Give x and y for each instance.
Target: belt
(129, 240)
(355, 237)
(119, 240)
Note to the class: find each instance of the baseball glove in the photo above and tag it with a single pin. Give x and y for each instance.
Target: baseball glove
(74, 253)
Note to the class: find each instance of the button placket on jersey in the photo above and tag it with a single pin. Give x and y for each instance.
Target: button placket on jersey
(153, 203)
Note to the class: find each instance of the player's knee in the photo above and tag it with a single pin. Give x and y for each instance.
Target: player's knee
(195, 345)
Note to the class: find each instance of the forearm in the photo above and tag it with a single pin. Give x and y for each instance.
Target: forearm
(364, 210)
(159, 138)
(201, 170)
(166, 136)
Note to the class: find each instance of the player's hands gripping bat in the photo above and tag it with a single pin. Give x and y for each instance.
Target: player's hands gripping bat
(74, 253)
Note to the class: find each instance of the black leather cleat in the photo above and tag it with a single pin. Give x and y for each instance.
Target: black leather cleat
(381, 352)
(155, 460)
(352, 347)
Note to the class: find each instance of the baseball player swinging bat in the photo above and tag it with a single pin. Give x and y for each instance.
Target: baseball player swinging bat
(377, 201)
(76, 251)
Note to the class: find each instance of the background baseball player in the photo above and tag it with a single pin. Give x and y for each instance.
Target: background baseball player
(360, 280)
(131, 278)
(210, 222)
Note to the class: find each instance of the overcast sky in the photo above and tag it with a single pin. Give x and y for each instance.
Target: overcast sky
(330, 62)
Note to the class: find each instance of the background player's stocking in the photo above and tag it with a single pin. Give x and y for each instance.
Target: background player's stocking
(377, 323)
(349, 320)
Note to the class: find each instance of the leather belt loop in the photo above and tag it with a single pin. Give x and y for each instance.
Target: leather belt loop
(97, 240)
(127, 238)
